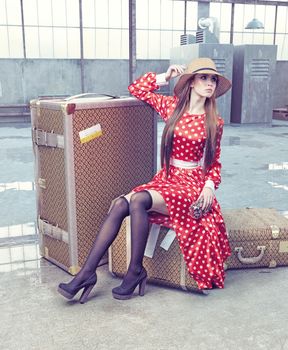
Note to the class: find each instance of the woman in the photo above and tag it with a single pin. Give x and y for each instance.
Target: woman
(190, 173)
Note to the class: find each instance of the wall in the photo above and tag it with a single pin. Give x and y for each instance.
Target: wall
(280, 85)
(22, 80)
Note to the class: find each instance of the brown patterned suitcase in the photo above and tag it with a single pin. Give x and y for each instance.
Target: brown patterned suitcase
(87, 152)
(258, 238)
(163, 259)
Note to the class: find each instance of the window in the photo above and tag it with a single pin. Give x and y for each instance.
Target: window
(11, 29)
(52, 27)
(105, 29)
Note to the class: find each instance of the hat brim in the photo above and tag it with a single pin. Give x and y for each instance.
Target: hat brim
(222, 87)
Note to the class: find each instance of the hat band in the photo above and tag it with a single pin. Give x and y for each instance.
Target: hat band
(197, 70)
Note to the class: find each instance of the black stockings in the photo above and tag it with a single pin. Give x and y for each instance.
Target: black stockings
(108, 232)
(140, 202)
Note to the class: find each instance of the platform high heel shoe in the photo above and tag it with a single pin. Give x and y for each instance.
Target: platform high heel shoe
(122, 293)
(69, 293)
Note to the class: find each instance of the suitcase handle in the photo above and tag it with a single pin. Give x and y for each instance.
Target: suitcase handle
(88, 94)
(252, 260)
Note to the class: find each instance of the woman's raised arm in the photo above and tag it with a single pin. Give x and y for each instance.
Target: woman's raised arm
(143, 88)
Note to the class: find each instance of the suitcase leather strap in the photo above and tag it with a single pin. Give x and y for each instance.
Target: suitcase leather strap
(45, 228)
(183, 273)
(48, 139)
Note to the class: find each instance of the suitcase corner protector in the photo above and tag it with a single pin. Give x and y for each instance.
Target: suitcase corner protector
(73, 270)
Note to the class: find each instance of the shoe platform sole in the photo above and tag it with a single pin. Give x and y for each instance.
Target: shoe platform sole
(65, 294)
(122, 297)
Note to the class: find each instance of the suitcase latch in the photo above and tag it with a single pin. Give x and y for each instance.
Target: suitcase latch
(275, 231)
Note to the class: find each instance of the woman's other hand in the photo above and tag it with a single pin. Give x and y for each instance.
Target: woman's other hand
(174, 71)
(206, 197)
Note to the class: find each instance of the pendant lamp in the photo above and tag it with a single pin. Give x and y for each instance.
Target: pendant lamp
(254, 24)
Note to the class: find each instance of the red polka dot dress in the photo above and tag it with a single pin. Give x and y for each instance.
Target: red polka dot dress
(203, 242)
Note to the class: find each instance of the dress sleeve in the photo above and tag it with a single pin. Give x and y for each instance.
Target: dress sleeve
(143, 88)
(214, 173)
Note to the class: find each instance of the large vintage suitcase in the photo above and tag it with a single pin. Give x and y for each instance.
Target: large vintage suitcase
(87, 152)
(163, 259)
(258, 237)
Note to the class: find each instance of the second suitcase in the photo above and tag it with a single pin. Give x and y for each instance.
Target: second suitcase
(258, 238)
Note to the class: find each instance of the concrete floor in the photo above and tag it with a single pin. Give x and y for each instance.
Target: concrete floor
(250, 313)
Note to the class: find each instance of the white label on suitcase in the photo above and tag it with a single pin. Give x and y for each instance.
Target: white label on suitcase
(168, 239)
(90, 133)
(152, 240)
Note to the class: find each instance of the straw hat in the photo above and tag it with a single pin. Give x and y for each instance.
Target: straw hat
(207, 66)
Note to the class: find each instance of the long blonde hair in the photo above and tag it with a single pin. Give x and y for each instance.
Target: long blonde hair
(211, 123)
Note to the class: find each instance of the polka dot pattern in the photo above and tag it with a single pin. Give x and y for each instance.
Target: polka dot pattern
(203, 242)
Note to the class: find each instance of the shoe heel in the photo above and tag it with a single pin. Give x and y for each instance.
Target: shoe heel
(142, 286)
(85, 294)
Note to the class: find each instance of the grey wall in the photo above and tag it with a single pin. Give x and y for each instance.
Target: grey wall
(280, 85)
(22, 80)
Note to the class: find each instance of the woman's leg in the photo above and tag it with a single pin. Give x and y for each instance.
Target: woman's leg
(118, 211)
(158, 204)
(135, 204)
(140, 204)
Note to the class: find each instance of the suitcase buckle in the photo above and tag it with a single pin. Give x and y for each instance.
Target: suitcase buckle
(39, 137)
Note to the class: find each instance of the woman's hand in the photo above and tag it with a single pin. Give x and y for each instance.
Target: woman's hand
(174, 70)
(206, 197)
